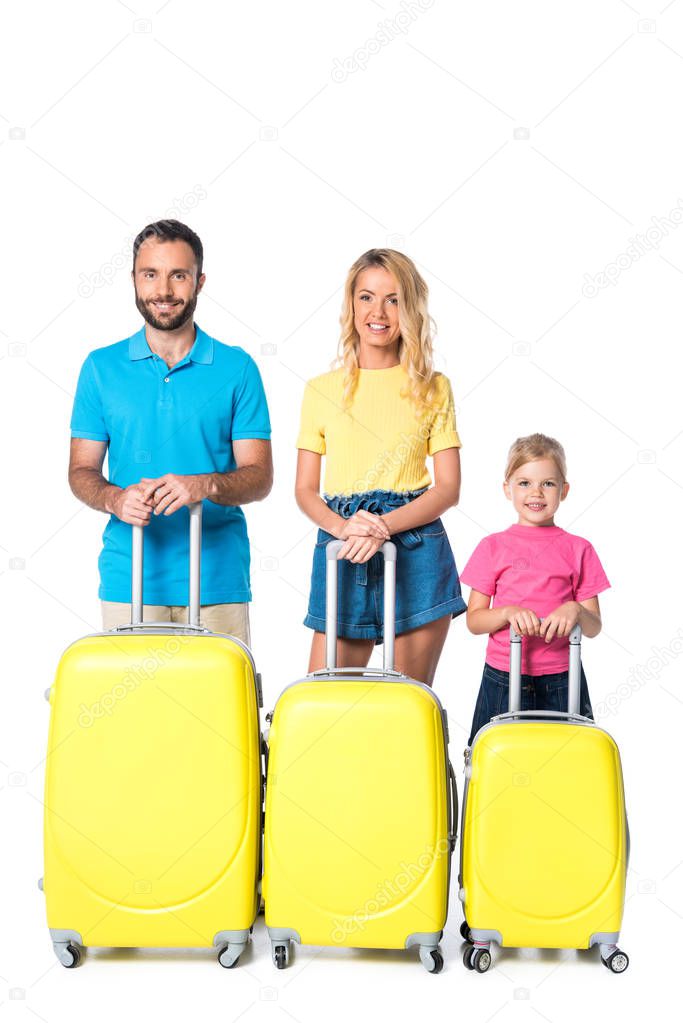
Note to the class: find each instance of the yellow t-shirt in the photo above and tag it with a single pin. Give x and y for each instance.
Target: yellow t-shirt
(378, 443)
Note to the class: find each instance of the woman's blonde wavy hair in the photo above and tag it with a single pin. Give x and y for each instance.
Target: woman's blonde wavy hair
(416, 325)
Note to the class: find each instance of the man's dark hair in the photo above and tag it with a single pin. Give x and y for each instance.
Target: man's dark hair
(170, 231)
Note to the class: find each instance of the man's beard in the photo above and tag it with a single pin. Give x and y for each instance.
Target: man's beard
(172, 322)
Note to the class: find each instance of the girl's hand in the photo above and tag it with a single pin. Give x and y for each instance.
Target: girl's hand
(360, 548)
(364, 523)
(523, 619)
(561, 621)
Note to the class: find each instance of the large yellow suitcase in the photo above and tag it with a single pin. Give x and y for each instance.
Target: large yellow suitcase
(544, 843)
(153, 788)
(360, 818)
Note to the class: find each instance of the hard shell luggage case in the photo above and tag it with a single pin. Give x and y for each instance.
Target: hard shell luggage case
(153, 788)
(544, 838)
(360, 804)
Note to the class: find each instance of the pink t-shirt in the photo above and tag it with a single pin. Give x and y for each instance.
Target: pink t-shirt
(538, 567)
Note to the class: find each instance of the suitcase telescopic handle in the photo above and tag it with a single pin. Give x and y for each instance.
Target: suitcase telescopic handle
(388, 549)
(574, 686)
(136, 604)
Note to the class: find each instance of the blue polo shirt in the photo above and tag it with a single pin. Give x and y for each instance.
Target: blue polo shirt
(182, 420)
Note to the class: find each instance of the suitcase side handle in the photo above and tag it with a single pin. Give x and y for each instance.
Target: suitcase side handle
(388, 549)
(136, 604)
(574, 683)
(454, 809)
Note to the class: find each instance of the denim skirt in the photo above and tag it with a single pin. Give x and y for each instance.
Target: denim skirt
(427, 582)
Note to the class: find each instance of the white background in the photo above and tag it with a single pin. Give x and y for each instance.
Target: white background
(510, 150)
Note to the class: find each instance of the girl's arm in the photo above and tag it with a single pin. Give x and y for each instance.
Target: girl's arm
(562, 620)
(307, 493)
(482, 619)
(429, 506)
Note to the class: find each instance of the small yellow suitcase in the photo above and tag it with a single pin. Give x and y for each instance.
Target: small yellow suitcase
(360, 817)
(153, 788)
(544, 838)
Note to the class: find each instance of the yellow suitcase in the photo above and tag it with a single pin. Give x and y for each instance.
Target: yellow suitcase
(360, 818)
(544, 838)
(153, 788)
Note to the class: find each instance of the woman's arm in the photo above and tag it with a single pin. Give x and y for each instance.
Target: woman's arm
(307, 493)
(429, 506)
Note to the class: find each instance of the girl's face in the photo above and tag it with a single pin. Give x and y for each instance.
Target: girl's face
(375, 308)
(536, 490)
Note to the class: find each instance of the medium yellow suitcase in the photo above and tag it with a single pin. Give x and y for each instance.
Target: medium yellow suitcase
(153, 788)
(359, 805)
(544, 843)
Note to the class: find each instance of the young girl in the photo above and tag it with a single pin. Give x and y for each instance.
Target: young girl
(533, 570)
(376, 419)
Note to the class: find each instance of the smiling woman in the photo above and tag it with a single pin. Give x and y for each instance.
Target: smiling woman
(376, 419)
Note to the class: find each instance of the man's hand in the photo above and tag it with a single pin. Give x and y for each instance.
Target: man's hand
(170, 492)
(561, 621)
(131, 505)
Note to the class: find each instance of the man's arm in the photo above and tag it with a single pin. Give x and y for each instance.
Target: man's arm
(252, 480)
(89, 485)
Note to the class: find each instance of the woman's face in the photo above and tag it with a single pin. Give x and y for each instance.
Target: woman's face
(375, 308)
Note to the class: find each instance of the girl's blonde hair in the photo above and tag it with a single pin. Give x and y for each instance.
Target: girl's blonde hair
(533, 447)
(416, 325)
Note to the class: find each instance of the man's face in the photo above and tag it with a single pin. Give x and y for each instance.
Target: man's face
(166, 284)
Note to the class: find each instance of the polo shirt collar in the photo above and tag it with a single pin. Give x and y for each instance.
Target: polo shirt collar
(201, 351)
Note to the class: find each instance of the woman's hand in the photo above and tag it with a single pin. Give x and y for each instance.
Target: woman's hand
(360, 548)
(561, 621)
(364, 523)
(523, 619)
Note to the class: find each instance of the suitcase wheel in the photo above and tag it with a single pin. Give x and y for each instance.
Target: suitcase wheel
(437, 959)
(431, 958)
(70, 956)
(281, 955)
(617, 962)
(229, 955)
(465, 931)
(477, 959)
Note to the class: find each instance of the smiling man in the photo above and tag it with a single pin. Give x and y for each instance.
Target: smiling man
(182, 418)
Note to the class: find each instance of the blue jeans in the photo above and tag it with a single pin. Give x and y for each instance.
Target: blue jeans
(539, 692)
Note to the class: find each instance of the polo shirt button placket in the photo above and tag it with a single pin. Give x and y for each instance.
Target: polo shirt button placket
(165, 400)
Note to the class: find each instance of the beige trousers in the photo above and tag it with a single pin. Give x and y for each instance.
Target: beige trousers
(230, 619)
